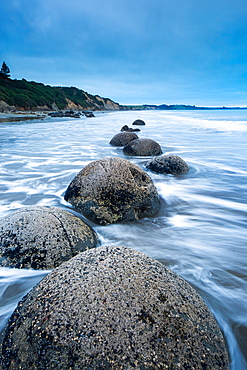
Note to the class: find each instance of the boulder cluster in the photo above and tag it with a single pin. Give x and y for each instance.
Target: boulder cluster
(129, 129)
(146, 147)
(71, 114)
(104, 307)
(132, 145)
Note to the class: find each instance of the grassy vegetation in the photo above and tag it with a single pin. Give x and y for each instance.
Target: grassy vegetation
(29, 95)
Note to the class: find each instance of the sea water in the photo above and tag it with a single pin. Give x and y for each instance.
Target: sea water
(200, 231)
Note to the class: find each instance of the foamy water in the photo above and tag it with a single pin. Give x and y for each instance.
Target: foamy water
(200, 231)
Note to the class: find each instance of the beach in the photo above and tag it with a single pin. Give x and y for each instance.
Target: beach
(199, 231)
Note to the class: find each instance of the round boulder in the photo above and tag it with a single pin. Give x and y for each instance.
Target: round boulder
(123, 138)
(138, 122)
(113, 308)
(168, 164)
(42, 238)
(111, 190)
(142, 147)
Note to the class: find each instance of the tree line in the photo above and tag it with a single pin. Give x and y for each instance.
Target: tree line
(5, 71)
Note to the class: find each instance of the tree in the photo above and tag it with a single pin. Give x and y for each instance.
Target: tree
(5, 71)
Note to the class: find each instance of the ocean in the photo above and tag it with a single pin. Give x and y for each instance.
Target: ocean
(200, 231)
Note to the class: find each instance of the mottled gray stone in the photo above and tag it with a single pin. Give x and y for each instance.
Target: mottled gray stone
(142, 147)
(111, 190)
(123, 138)
(139, 122)
(113, 308)
(42, 238)
(168, 164)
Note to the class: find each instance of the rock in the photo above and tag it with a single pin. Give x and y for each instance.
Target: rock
(113, 308)
(111, 190)
(125, 128)
(139, 122)
(56, 114)
(71, 113)
(76, 115)
(142, 147)
(42, 238)
(89, 114)
(129, 129)
(68, 113)
(168, 164)
(123, 138)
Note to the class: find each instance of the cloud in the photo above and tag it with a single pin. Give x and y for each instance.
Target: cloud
(160, 43)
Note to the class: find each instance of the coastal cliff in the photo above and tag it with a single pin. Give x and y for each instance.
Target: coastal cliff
(25, 95)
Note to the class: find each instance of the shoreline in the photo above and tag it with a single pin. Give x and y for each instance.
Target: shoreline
(21, 116)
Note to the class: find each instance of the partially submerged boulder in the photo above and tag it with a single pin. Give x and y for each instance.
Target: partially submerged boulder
(111, 190)
(168, 164)
(42, 238)
(113, 308)
(139, 122)
(123, 138)
(129, 129)
(142, 147)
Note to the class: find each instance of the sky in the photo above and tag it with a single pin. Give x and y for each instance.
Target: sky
(132, 51)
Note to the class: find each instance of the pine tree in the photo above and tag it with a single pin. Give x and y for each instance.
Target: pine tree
(5, 71)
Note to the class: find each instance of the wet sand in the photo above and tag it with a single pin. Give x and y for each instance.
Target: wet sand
(20, 116)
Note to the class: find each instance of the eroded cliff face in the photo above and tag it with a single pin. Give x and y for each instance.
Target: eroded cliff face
(108, 104)
(97, 103)
(92, 104)
(26, 96)
(72, 105)
(5, 107)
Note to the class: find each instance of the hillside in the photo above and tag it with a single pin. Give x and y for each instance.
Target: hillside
(25, 95)
(176, 107)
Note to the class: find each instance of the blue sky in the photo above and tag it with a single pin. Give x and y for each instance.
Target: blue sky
(132, 51)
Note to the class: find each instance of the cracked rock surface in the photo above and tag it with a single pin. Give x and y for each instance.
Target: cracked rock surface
(111, 190)
(113, 308)
(42, 238)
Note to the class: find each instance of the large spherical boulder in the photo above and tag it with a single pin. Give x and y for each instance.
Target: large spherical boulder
(123, 138)
(168, 164)
(42, 238)
(142, 147)
(113, 308)
(111, 190)
(139, 122)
